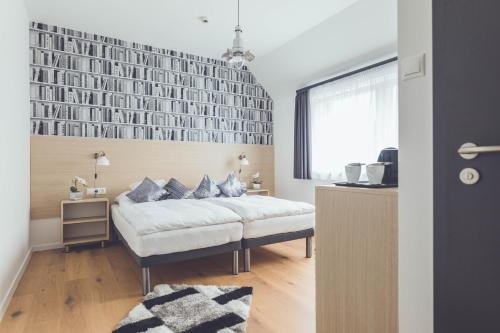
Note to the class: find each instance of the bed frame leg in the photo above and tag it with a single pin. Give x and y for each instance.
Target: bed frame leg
(236, 268)
(247, 260)
(309, 247)
(146, 281)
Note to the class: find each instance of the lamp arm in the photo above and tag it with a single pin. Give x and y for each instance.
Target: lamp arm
(95, 178)
(241, 157)
(95, 172)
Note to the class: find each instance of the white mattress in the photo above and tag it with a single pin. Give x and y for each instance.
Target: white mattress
(257, 207)
(278, 225)
(173, 241)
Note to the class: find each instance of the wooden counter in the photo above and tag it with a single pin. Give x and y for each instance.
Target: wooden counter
(356, 260)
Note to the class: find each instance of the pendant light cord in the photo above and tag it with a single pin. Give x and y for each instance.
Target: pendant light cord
(238, 12)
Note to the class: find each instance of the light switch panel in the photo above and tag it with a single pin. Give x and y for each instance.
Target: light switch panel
(413, 67)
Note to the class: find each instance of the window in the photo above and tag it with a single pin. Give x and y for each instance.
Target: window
(352, 120)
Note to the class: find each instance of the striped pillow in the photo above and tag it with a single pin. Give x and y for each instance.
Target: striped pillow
(147, 191)
(177, 191)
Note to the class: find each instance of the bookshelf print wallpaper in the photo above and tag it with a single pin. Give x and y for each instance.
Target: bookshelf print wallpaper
(88, 85)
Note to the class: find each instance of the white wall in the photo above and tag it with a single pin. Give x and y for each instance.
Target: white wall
(361, 33)
(45, 234)
(415, 169)
(14, 145)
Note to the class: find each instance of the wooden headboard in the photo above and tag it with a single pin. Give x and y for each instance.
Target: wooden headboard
(55, 160)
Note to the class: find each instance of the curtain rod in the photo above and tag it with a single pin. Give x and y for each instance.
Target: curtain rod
(354, 72)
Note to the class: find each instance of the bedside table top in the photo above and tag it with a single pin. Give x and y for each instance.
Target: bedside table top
(257, 191)
(85, 200)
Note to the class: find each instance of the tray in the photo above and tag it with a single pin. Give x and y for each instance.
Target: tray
(366, 185)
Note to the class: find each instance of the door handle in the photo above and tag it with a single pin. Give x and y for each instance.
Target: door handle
(469, 150)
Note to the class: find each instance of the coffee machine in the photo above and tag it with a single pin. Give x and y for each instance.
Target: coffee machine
(390, 156)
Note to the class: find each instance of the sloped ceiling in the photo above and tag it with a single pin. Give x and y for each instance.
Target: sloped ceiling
(173, 24)
(363, 32)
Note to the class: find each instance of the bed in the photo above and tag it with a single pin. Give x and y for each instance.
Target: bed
(269, 220)
(175, 230)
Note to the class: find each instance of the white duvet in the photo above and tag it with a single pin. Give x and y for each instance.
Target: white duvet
(157, 216)
(150, 217)
(255, 207)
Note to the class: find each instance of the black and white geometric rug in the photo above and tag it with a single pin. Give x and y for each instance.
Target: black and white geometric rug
(190, 309)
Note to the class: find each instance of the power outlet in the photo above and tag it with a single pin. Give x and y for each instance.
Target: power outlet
(96, 190)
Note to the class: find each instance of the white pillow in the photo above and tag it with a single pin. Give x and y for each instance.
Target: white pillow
(123, 200)
(159, 182)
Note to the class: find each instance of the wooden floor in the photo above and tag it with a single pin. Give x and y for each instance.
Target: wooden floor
(92, 289)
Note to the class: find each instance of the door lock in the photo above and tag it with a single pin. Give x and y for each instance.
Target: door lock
(469, 176)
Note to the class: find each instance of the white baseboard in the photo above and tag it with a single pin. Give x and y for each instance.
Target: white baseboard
(6, 300)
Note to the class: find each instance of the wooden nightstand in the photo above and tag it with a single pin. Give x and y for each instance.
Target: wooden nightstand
(84, 221)
(258, 192)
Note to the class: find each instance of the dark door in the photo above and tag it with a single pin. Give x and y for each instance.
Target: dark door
(466, 38)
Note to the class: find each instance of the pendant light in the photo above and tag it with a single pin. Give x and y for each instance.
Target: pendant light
(237, 55)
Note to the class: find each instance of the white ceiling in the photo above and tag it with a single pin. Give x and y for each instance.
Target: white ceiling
(173, 24)
(361, 34)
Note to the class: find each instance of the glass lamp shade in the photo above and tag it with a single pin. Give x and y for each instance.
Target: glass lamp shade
(103, 161)
(237, 56)
(237, 61)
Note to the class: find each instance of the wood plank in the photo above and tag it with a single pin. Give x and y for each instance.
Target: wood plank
(77, 265)
(85, 220)
(49, 299)
(88, 200)
(56, 160)
(93, 289)
(84, 239)
(16, 317)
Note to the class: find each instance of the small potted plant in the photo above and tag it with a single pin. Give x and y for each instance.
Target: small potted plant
(256, 181)
(74, 192)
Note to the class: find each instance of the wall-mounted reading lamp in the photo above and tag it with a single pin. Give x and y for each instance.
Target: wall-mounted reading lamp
(243, 162)
(101, 160)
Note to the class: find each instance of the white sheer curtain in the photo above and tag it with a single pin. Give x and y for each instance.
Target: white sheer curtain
(352, 119)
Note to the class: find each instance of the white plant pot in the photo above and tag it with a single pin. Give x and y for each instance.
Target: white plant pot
(75, 196)
(256, 186)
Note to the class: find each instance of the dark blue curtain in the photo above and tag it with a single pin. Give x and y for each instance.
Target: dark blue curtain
(302, 139)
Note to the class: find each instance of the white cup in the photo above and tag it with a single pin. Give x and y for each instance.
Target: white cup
(353, 172)
(375, 173)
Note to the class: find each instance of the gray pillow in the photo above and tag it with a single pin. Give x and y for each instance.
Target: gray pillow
(207, 189)
(177, 191)
(232, 187)
(147, 191)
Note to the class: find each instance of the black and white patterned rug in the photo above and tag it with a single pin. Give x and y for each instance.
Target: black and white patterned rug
(190, 309)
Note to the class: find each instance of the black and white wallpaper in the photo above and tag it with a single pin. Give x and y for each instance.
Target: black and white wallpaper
(88, 85)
